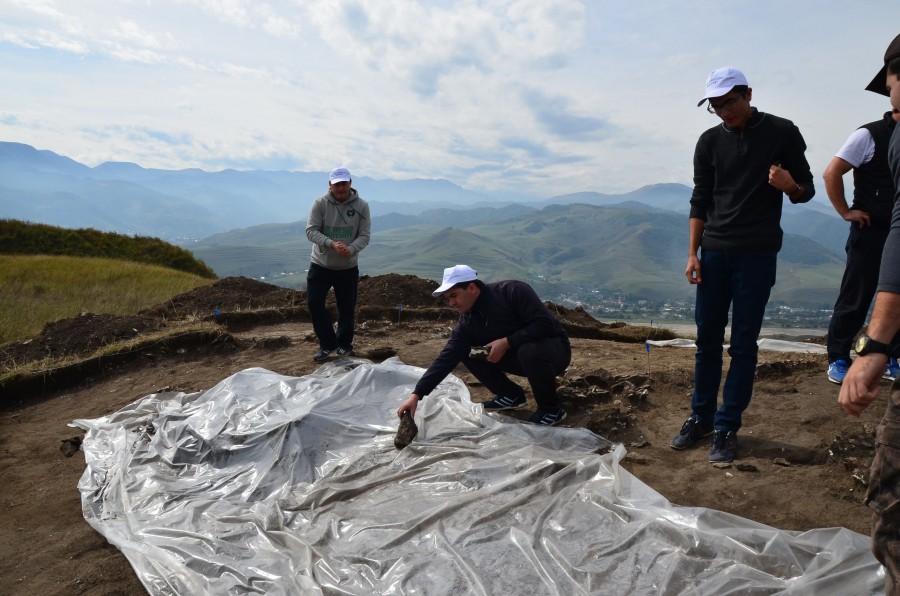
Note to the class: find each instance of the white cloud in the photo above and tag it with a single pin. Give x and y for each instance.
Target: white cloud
(51, 39)
(413, 40)
(127, 31)
(537, 95)
(231, 11)
(41, 7)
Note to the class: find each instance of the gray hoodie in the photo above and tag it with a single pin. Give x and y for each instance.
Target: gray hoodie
(330, 221)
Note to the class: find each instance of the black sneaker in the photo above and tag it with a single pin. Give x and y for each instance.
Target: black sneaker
(345, 352)
(691, 432)
(502, 402)
(724, 446)
(548, 417)
(321, 355)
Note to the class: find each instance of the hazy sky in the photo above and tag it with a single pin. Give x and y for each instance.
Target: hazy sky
(541, 97)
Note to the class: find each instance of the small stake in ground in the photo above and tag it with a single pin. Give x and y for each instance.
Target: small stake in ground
(651, 333)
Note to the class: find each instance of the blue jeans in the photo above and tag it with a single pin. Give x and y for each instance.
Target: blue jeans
(743, 281)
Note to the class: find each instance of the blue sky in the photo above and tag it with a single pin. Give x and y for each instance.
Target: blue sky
(536, 97)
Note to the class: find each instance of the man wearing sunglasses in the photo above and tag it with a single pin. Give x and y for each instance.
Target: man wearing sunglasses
(338, 227)
(742, 169)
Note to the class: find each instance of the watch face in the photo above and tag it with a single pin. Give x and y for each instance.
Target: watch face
(867, 345)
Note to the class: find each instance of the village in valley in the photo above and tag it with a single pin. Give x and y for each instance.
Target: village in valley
(615, 306)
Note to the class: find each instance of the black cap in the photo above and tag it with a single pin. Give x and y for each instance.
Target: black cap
(879, 83)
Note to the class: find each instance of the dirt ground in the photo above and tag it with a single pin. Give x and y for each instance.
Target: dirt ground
(802, 463)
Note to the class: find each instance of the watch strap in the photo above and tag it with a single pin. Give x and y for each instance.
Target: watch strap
(872, 346)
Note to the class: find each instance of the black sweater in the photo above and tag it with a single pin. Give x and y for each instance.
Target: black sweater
(509, 309)
(732, 194)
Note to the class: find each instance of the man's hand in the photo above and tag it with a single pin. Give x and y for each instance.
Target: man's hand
(859, 216)
(782, 179)
(692, 271)
(862, 383)
(341, 248)
(498, 348)
(410, 404)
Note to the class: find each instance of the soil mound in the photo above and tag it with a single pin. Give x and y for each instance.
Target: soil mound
(230, 294)
(79, 335)
(391, 290)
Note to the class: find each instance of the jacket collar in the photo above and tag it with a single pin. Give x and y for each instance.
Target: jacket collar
(752, 122)
(483, 303)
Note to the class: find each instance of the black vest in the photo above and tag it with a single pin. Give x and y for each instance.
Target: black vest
(873, 185)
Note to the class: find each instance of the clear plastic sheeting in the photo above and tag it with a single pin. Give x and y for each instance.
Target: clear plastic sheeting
(774, 345)
(267, 484)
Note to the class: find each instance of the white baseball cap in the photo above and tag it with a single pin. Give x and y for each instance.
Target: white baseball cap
(721, 81)
(339, 175)
(454, 275)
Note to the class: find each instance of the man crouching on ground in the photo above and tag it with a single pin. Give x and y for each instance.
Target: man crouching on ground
(522, 336)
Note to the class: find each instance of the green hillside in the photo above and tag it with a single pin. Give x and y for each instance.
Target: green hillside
(23, 238)
(577, 250)
(618, 250)
(39, 289)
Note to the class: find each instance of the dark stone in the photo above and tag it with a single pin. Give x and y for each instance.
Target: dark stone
(406, 432)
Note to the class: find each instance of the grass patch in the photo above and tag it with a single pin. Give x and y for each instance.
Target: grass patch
(35, 290)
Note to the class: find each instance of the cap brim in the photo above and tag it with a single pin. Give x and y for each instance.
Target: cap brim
(340, 180)
(443, 288)
(879, 83)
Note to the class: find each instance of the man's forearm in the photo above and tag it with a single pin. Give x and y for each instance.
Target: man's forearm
(695, 235)
(834, 184)
(885, 320)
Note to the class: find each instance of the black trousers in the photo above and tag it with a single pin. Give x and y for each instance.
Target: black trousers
(864, 248)
(538, 361)
(344, 281)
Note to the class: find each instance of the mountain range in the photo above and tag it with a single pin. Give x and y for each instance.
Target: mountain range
(252, 223)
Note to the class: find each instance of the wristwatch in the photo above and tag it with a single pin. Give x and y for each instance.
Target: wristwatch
(867, 345)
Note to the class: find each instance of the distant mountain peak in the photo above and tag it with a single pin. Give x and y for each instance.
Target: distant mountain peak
(119, 166)
(22, 155)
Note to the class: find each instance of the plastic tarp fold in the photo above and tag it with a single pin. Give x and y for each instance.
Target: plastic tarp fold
(774, 345)
(267, 484)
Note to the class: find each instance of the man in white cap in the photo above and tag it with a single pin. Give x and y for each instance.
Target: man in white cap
(338, 227)
(873, 350)
(522, 337)
(742, 167)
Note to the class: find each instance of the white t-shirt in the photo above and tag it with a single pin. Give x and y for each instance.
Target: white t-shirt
(858, 149)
